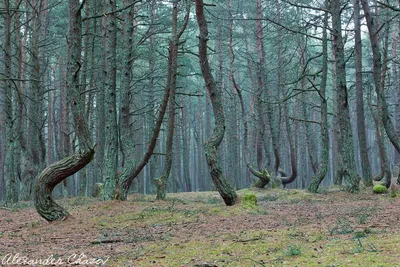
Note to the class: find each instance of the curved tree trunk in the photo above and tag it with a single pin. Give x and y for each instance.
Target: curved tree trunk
(323, 166)
(57, 172)
(171, 83)
(53, 175)
(382, 107)
(211, 145)
(282, 91)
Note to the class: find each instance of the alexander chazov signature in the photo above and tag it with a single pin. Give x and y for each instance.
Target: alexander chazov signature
(75, 259)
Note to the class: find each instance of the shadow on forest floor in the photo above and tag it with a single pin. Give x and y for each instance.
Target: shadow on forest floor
(286, 228)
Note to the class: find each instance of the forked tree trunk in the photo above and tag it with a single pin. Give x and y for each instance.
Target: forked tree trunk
(323, 166)
(211, 145)
(58, 171)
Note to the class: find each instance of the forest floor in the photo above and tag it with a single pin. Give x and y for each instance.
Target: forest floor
(286, 228)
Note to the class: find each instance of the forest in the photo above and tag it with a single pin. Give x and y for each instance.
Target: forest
(123, 100)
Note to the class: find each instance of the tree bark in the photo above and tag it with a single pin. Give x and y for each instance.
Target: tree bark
(346, 161)
(58, 171)
(226, 191)
(362, 136)
(10, 136)
(323, 166)
(111, 133)
(382, 107)
(171, 83)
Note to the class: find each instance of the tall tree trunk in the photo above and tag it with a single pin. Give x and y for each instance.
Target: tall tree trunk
(111, 134)
(384, 159)
(10, 136)
(385, 172)
(323, 166)
(100, 102)
(346, 164)
(58, 171)
(382, 107)
(262, 173)
(171, 83)
(211, 145)
(282, 91)
(362, 136)
(35, 151)
(186, 147)
(150, 119)
(126, 118)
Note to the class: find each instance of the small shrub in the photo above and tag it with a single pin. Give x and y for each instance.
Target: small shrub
(362, 219)
(293, 251)
(380, 189)
(359, 234)
(97, 190)
(249, 200)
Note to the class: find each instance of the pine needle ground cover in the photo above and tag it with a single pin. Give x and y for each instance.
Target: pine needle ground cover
(284, 228)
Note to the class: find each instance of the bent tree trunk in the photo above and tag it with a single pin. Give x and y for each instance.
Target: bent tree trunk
(53, 175)
(323, 167)
(57, 172)
(211, 145)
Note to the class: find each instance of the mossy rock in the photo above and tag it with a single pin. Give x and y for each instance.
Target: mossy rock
(380, 189)
(249, 200)
(97, 190)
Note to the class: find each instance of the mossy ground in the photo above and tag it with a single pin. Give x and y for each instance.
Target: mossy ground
(286, 228)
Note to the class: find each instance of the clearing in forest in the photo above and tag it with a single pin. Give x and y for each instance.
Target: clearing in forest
(286, 228)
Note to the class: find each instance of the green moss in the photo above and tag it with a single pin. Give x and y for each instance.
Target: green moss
(380, 189)
(249, 200)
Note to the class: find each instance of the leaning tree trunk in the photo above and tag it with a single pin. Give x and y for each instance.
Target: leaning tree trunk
(211, 145)
(171, 83)
(323, 167)
(57, 172)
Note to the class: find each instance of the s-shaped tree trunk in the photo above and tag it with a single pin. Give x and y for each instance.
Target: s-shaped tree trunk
(211, 145)
(58, 171)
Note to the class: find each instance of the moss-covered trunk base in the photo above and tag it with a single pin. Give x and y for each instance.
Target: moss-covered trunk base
(53, 175)
(222, 185)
